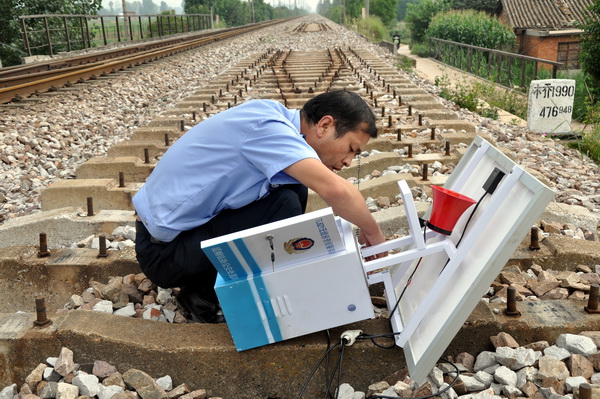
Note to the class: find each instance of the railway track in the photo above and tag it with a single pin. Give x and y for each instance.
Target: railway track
(416, 127)
(23, 81)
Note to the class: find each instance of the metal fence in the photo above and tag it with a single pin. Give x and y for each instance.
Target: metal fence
(514, 71)
(51, 34)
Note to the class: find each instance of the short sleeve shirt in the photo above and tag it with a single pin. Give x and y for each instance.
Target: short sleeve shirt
(225, 162)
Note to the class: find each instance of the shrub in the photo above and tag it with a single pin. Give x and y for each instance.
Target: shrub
(471, 27)
(465, 96)
(590, 141)
(420, 49)
(419, 15)
(590, 47)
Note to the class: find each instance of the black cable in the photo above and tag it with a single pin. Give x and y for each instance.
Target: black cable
(469, 219)
(337, 393)
(438, 393)
(386, 335)
(314, 370)
(406, 286)
(338, 365)
(465, 228)
(327, 394)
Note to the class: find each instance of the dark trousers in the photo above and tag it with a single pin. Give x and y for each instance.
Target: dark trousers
(182, 263)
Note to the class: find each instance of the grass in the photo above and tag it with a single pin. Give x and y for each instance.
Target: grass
(470, 96)
(370, 27)
(589, 144)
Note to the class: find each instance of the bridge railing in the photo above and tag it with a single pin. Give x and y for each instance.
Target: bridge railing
(50, 34)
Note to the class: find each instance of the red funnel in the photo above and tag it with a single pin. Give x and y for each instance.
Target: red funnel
(448, 207)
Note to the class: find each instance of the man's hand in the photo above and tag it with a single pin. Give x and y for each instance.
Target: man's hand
(368, 241)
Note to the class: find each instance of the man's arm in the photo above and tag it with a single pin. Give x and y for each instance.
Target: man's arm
(340, 194)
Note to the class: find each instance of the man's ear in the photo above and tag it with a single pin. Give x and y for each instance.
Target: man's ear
(327, 122)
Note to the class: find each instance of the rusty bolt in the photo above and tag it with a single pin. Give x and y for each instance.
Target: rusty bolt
(432, 133)
(102, 253)
(389, 121)
(399, 134)
(181, 125)
(535, 239)
(585, 391)
(410, 154)
(425, 167)
(592, 306)
(90, 206)
(43, 252)
(409, 110)
(40, 311)
(447, 148)
(146, 156)
(511, 302)
(121, 179)
(420, 119)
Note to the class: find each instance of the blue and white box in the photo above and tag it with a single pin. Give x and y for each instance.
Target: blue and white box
(289, 278)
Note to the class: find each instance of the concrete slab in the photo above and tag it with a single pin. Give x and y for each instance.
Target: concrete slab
(136, 148)
(458, 125)
(569, 252)
(155, 134)
(25, 276)
(203, 356)
(425, 105)
(133, 168)
(63, 226)
(106, 194)
(557, 212)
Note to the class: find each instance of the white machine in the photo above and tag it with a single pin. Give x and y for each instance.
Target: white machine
(305, 274)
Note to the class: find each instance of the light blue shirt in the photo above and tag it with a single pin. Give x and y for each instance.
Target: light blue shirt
(224, 162)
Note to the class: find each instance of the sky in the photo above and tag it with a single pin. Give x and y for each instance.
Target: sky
(176, 4)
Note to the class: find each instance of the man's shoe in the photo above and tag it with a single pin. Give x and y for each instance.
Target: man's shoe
(199, 309)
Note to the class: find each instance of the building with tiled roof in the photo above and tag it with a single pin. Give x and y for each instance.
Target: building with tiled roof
(548, 29)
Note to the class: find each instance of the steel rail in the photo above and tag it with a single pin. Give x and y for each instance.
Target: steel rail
(13, 88)
(106, 54)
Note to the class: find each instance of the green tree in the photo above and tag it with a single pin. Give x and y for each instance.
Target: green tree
(590, 48)
(11, 41)
(148, 8)
(419, 15)
(163, 7)
(384, 9)
(354, 8)
(471, 27)
(401, 8)
(488, 6)
(134, 6)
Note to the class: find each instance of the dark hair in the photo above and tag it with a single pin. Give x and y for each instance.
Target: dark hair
(347, 108)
